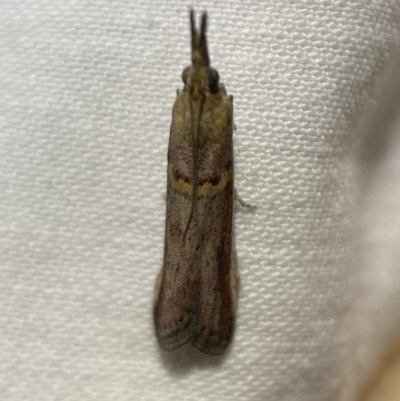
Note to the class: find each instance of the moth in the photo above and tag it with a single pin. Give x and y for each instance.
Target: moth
(195, 297)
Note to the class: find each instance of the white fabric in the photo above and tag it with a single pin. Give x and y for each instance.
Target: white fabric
(87, 89)
(373, 324)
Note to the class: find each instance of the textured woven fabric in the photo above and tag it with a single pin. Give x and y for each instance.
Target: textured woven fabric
(87, 89)
(373, 324)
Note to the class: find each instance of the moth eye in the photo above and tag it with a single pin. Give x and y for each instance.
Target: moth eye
(213, 79)
(185, 74)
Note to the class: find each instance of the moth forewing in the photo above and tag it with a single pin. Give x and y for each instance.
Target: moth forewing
(195, 298)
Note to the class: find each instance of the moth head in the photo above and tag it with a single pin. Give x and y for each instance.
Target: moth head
(200, 76)
(212, 80)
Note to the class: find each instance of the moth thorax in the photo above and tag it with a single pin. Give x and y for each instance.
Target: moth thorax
(197, 92)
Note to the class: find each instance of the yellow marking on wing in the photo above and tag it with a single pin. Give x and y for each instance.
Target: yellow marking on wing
(179, 116)
(207, 190)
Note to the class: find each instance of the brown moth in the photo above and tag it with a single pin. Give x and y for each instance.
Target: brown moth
(196, 290)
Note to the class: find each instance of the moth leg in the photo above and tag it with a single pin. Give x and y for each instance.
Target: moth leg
(237, 198)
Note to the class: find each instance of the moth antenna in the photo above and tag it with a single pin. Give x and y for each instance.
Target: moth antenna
(203, 40)
(193, 32)
(199, 39)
